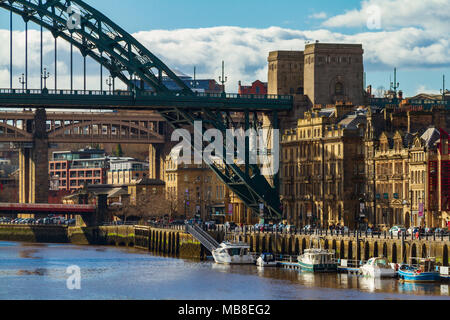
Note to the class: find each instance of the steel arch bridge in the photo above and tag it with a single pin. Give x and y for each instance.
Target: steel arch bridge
(96, 36)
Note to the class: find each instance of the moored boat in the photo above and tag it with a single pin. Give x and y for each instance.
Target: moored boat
(318, 259)
(424, 271)
(266, 260)
(378, 268)
(233, 253)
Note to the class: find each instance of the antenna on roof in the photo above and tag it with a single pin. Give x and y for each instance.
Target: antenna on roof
(443, 90)
(395, 85)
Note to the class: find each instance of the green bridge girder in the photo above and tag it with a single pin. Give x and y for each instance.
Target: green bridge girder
(111, 46)
(130, 100)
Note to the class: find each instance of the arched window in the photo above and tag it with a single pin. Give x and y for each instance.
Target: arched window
(339, 89)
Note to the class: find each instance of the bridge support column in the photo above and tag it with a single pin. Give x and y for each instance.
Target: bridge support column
(33, 163)
(40, 179)
(24, 175)
(101, 214)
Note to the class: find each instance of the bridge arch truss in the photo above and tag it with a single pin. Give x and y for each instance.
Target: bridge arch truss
(101, 39)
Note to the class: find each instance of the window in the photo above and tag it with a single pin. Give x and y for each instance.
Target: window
(339, 89)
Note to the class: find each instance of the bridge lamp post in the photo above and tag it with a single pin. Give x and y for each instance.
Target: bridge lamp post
(109, 83)
(45, 75)
(22, 81)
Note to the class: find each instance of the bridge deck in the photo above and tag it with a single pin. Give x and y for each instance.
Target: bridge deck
(66, 99)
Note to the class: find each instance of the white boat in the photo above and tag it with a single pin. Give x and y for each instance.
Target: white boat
(378, 268)
(318, 260)
(266, 260)
(233, 253)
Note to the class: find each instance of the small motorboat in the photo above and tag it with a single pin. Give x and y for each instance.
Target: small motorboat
(266, 260)
(424, 271)
(318, 259)
(378, 268)
(233, 253)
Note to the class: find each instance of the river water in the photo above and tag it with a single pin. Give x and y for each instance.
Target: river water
(39, 271)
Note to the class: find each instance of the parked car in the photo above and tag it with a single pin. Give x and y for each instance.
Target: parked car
(210, 224)
(230, 225)
(70, 222)
(177, 223)
(440, 232)
(412, 231)
(278, 227)
(291, 229)
(373, 231)
(395, 231)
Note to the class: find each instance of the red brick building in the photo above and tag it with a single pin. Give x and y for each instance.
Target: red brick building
(257, 87)
(71, 170)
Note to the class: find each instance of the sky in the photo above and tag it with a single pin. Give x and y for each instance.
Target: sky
(411, 35)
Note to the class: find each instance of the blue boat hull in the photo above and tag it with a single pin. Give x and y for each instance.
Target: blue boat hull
(411, 276)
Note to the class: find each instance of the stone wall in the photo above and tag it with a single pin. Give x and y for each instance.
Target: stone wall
(42, 234)
(350, 247)
(177, 243)
(170, 242)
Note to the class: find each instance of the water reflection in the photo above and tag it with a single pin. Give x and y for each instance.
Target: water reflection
(445, 289)
(122, 273)
(38, 272)
(369, 284)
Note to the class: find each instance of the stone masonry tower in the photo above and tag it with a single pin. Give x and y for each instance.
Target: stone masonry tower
(286, 77)
(285, 72)
(33, 171)
(334, 72)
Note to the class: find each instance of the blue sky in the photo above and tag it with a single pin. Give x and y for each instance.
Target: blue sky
(176, 14)
(202, 33)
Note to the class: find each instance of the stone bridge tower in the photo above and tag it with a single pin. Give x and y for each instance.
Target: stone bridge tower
(33, 162)
(334, 72)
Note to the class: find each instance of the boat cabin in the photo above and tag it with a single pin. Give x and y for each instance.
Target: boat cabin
(268, 257)
(234, 249)
(427, 265)
(378, 262)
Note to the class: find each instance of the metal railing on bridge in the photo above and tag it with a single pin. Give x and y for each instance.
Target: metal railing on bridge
(145, 94)
(96, 99)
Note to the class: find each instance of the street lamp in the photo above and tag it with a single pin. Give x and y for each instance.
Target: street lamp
(22, 81)
(109, 83)
(45, 75)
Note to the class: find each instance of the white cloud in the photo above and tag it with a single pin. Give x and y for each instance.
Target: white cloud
(320, 15)
(415, 44)
(245, 50)
(430, 15)
(424, 89)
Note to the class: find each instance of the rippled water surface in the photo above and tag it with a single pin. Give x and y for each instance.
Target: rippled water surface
(33, 271)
